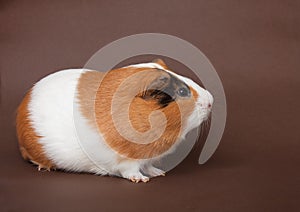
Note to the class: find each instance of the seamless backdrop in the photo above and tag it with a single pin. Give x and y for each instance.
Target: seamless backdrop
(253, 45)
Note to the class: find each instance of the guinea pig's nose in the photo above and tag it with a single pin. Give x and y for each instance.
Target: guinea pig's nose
(210, 100)
(206, 105)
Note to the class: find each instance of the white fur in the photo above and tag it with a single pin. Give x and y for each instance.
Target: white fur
(55, 116)
(72, 144)
(51, 112)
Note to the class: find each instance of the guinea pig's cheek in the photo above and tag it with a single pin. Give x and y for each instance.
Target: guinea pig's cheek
(200, 113)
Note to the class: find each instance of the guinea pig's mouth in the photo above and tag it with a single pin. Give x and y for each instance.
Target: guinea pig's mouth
(204, 111)
(207, 114)
(205, 126)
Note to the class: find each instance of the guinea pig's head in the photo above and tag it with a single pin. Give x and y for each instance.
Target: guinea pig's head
(150, 108)
(169, 88)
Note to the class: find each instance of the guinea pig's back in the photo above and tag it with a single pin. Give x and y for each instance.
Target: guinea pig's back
(45, 124)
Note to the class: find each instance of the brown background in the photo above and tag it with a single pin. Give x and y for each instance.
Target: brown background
(255, 48)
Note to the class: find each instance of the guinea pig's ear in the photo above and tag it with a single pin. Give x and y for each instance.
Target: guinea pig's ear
(161, 63)
(160, 89)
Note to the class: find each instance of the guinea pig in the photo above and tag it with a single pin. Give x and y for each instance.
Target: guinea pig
(117, 123)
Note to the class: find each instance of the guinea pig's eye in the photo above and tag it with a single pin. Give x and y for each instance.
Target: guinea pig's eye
(183, 92)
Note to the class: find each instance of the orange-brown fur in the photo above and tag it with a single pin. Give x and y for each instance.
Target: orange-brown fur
(176, 112)
(87, 87)
(161, 63)
(28, 139)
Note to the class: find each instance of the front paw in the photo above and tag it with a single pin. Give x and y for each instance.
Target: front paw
(136, 177)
